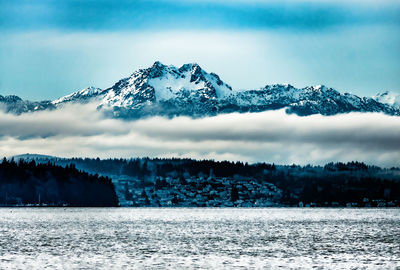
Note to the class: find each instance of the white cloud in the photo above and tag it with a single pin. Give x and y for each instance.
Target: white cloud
(271, 136)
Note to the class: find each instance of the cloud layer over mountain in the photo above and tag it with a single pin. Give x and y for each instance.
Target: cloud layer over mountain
(271, 136)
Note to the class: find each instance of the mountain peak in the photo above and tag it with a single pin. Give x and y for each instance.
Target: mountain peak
(319, 88)
(278, 87)
(388, 97)
(184, 68)
(387, 93)
(10, 98)
(158, 69)
(189, 67)
(162, 83)
(79, 96)
(158, 65)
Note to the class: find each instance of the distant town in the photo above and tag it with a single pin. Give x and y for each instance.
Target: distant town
(219, 192)
(201, 191)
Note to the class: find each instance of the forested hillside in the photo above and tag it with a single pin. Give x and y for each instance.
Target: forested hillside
(188, 182)
(28, 183)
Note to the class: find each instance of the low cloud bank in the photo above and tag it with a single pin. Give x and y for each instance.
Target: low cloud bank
(271, 136)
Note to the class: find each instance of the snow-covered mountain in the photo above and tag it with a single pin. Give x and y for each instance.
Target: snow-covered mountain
(82, 96)
(166, 90)
(389, 98)
(16, 105)
(189, 90)
(309, 100)
(161, 82)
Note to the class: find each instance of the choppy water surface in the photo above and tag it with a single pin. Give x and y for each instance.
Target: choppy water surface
(124, 238)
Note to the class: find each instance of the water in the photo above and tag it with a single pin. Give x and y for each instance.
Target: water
(129, 238)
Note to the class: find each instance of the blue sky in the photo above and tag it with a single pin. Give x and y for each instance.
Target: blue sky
(51, 48)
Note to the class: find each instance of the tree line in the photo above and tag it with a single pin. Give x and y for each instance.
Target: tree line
(31, 183)
(335, 182)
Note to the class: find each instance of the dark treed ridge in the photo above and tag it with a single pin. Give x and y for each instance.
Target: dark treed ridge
(30, 183)
(335, 184)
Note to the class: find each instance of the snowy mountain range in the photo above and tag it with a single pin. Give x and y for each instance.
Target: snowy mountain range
(191, 91)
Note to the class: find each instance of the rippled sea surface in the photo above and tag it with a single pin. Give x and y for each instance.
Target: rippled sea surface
(132, 238)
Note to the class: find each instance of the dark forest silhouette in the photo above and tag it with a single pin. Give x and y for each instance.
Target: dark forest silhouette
(31, 183)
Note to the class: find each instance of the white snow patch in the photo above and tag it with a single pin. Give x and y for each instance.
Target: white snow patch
(169, 85)
(389, 98)
(90, 91)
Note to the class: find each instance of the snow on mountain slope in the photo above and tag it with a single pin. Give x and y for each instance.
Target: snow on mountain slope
(309, 100)
(388, 97)
(80, 96)
(270, 94)
(162, 83)
(189, 77)
(191, 91)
